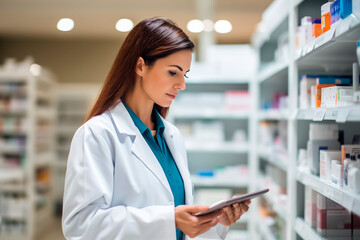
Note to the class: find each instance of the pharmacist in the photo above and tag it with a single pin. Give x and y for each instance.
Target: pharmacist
(127, 175)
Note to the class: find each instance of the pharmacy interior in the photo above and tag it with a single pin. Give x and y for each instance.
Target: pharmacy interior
(272, 101)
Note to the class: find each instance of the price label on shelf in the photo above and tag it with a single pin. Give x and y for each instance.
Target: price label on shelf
(330, 34)
(342, 115)
(319, 114)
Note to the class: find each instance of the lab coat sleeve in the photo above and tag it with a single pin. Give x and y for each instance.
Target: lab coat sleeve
(87, 210)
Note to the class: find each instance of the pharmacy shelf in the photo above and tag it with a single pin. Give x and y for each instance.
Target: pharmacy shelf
(226, 147)
(343, 197)
(12, 187)
(340, 114)
(219, 183)
(45, 159)
(275, 71)
(308, 233)
(278, 160)
(12, 174)
(208, 113)
(264, 229)
(273, 114)
(333, 50)
(280, 211)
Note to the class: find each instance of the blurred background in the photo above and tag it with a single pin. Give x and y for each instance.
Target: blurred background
(242, 114)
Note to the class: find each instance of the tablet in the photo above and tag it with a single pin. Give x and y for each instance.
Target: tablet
(230, 201)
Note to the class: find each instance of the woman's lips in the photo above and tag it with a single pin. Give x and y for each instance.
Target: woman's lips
(171, 96)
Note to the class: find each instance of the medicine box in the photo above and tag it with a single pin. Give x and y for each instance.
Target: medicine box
(350, 149)
(326, 157)
(310, 206)
(318, 93)
(332, 219)
(314, 147)
(325, 17)
(337, 96)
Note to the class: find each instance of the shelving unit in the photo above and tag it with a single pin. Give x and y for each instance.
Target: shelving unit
(73, 103)
(331, 53)
(27, 149)
(205, 103)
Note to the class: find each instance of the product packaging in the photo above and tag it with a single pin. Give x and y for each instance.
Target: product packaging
(337, 173)
(318, 93)
(333, 220)
(345, 8)
(325, 17)
(325, 163)
(349, 149)
(310, 206)
(316, 28)
(335, 11)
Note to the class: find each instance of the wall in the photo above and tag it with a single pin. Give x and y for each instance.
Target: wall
(71, 60)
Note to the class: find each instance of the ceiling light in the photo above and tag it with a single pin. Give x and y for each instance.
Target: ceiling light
(195, 26)
(65, 24)
(223, 26)
(208, 25)
(35, 69)
(124, 25)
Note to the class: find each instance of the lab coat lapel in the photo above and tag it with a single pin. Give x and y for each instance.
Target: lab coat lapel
(171, 139)
(139, 148)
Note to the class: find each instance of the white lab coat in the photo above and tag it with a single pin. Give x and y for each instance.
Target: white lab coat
(115, 187)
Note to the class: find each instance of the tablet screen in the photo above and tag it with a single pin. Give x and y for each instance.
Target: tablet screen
(230, 201)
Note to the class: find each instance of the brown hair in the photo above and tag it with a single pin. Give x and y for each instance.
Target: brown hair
(151, 39)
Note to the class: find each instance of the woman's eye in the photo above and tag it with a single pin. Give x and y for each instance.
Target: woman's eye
(186, 76)
(172, 73)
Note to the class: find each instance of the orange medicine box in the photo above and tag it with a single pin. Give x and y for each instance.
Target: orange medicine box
(325, 17)
(318, 92)
(316, 25)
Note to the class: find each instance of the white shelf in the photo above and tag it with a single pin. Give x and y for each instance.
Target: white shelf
(206, 113)
(227, 147)
(46, 113)
(264, 229)
(216, 182)
(274, 114)
(333, 50)
(280, 211)
(341, 114)
(274, 71)
(7, 175)
(308, 233)
(343, 197)
(45, 159)
(278, 160)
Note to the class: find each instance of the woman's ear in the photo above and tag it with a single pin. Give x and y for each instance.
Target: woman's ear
(140, 66)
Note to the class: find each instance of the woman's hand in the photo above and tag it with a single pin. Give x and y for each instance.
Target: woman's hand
(192, 225)
(231, 214)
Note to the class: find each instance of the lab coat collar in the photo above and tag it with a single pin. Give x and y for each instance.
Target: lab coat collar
(140, 148)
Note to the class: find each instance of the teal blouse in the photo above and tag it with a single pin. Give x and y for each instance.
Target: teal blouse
(163, 155)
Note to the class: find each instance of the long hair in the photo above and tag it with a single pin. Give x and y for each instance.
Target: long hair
(151, 39)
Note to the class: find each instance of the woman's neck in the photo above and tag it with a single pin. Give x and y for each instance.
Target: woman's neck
(141, 106)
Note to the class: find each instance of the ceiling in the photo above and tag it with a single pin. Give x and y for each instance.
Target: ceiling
(97, 18)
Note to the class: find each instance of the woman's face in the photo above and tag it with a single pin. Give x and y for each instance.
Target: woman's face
(162, 81)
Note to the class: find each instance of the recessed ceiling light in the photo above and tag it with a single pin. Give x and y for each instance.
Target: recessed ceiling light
(223, 26)
(124, 25)
(195, 26)
(65, 24)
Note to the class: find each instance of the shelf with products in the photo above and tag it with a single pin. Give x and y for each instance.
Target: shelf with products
(223, 147)
(331, 54)
(26, 126)
(339, 114)
(349, 200)
(73, 103)
(306, 232)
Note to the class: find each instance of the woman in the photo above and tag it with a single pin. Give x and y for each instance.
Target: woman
(127, 175)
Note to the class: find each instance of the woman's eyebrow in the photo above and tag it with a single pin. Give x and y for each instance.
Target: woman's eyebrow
(176, 66)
